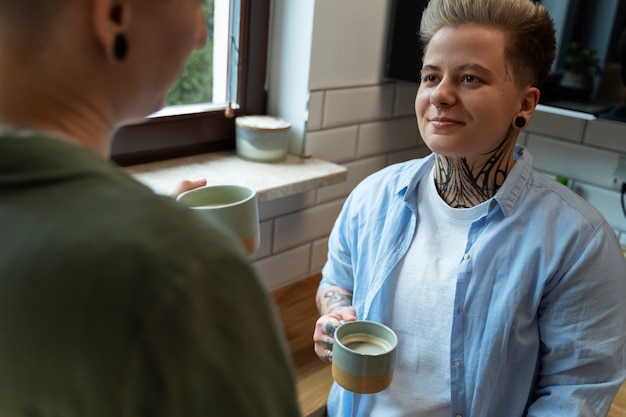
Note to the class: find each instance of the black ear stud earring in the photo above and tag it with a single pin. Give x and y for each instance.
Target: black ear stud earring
(120, 47)
(520, 122)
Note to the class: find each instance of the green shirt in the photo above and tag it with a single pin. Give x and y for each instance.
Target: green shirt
(117, 302)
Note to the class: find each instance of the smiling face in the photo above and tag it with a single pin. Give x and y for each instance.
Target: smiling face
(468, 99)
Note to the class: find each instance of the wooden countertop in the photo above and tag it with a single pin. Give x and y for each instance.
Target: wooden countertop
(618, 408)
(296, 307)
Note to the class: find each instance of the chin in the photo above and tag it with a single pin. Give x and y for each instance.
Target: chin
(440, 147)
(450, 146)
(448, 151)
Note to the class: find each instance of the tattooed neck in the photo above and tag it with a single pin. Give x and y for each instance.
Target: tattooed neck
(464, 184)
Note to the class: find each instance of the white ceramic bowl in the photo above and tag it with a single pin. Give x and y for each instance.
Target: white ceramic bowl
(262, 138)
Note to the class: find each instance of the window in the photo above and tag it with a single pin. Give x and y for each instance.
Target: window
(197, 122)
(593, 25)
(204, 77)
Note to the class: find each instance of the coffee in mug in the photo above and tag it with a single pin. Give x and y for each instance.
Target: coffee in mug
(366, 344)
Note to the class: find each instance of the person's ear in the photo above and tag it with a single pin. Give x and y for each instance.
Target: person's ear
(530, 99)
(110, 21)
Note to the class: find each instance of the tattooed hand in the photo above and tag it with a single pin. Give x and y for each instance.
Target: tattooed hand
(334, 305)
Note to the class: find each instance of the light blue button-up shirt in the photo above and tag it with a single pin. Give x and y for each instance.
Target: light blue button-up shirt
(539, 321)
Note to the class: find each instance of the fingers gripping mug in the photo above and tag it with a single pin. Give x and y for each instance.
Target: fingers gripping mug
(364, 356)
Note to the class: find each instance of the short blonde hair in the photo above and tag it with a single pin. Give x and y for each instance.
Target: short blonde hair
(531, 45)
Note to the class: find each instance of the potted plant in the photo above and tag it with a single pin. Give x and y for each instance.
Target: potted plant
(581, 66)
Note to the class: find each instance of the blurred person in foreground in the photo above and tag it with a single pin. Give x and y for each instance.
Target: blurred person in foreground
(115, 301)
(506, 289)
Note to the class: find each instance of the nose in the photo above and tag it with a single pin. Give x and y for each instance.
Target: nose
(443, 94)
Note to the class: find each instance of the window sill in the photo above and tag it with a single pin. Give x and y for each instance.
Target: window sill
(271, 180)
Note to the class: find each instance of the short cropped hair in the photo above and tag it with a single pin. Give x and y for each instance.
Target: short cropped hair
(531, 44)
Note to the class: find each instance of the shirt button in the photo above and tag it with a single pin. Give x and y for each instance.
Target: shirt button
(459, 309)
(457, 364)
(466, 256)
(458, 415)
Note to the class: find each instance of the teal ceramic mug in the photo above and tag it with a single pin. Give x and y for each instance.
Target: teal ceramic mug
(233, 206)
(364, 356)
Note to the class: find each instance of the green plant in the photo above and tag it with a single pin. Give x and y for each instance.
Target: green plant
(195, 84)
(581, 60)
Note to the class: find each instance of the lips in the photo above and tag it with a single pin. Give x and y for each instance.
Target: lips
(444, 122)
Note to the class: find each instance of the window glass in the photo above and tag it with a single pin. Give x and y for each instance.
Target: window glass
(195, 120)
(204, 77)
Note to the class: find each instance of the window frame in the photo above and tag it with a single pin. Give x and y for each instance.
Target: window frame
(160, 138)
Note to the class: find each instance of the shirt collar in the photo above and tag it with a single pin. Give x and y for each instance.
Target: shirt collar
(506, 197)
(509, 194)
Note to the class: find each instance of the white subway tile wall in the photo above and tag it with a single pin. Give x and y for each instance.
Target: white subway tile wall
(607, 134)
(286, 267)
(348, 106)
(334, 145)
(573, 161)
(304, 226)
(348, 42)
(275, 208)
(404, 102)
(559, 126)
(387, 136)
(318, 255)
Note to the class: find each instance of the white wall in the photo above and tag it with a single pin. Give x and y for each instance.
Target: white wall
(351, 116)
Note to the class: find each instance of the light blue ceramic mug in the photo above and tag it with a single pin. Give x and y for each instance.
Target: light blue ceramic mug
(234, 206)
(364, 356)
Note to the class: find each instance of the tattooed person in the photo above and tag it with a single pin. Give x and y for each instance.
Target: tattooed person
(505, 288)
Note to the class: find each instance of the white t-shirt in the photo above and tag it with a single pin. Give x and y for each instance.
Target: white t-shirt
(421, 313)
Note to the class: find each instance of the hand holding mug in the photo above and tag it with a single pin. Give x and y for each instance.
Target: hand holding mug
(324, 335)
(186, 185)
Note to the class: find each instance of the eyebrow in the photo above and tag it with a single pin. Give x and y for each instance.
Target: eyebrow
(461, 68)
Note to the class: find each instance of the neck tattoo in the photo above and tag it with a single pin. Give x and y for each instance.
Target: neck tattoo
(462, 184)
